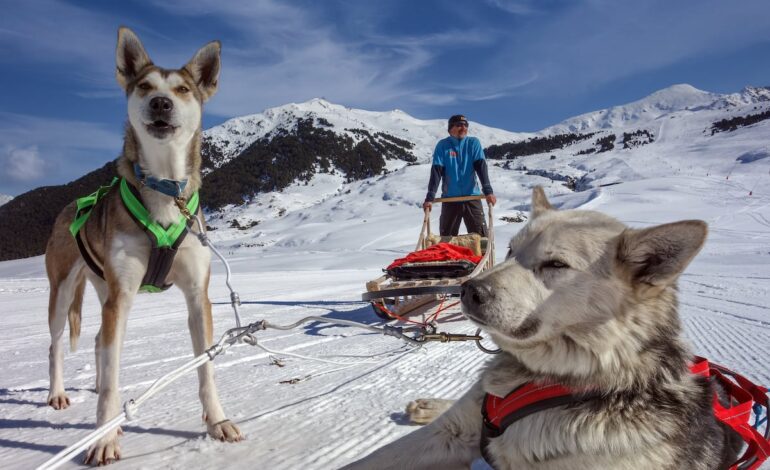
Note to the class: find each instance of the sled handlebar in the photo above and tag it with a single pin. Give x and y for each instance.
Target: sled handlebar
(459, 198)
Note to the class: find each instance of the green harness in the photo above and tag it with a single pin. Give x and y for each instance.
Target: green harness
(164, 241)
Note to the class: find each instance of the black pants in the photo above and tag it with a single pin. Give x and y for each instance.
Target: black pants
(470, 212)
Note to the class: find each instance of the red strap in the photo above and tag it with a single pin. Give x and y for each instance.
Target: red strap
(498, 408)
(744, 393)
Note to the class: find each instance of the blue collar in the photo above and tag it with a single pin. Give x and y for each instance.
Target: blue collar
(171, 188)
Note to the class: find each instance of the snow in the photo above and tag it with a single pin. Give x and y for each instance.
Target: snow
(313, 250)
(4, 198)
(235, 135)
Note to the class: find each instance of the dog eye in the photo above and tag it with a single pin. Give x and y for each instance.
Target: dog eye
(144, 86)
(554, 264)
(182, 89)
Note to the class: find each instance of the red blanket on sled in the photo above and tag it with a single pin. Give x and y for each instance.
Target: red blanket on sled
(440, 252)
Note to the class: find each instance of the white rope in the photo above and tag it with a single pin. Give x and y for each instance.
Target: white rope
(231, 337)
(129, 407)
(333, 321)
(329, 361)
(235, 300)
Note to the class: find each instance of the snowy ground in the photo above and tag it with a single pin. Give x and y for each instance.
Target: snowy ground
(328, 417)
(312, 252)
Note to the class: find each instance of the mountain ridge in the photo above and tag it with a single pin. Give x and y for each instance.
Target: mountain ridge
(264, 170)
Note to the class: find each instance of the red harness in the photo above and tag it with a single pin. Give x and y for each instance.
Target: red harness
(499, 413)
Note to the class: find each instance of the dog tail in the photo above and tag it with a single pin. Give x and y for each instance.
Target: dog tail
(74, 313)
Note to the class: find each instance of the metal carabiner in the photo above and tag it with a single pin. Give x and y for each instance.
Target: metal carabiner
(486, 350)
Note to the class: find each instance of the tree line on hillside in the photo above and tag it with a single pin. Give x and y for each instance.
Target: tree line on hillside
(29, 217)
(285, 156)
(637, 138)
(727, 125)
(533, 146)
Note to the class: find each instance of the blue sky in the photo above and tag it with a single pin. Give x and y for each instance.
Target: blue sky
(521, 65)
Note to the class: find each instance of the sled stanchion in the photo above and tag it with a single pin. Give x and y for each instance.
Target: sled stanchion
(406, 291)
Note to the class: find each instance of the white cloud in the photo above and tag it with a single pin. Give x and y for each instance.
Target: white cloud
(516, 7)
(600, 41)
(52, 151)
(22, 164)
(287, 54)
(55, 32)
(21, 130)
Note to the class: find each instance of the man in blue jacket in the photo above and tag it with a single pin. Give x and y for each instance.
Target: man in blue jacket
(457, 160)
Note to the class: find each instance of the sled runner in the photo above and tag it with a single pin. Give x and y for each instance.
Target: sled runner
(434, 271)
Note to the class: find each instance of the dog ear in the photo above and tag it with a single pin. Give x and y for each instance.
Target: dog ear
(539, 203)
(130, 57)
(655, 256)
(204, 68)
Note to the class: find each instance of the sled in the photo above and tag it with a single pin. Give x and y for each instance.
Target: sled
(392, 297)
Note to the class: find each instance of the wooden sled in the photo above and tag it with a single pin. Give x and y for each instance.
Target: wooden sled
(392, 298)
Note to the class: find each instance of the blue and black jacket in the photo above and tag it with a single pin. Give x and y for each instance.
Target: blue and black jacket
(457, 162)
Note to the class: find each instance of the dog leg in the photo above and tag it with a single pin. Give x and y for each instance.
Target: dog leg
(114, 315)
(97, 361)
(61, 297)
(426, 410)
(101, 292)
(201, 331)
(451, 441)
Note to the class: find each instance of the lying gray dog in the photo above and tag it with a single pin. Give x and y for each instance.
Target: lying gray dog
(584, 302)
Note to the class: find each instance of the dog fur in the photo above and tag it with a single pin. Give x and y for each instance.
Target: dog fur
(163, 136)
(583, 301)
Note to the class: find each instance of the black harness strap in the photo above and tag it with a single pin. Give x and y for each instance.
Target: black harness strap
(161, 258)
(90, 261)
(93, 199)
(490, 431)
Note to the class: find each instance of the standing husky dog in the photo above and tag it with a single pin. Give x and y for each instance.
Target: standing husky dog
(587, 303)
(160, 162)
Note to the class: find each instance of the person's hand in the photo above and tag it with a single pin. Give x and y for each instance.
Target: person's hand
(491, 199)
(427, 205)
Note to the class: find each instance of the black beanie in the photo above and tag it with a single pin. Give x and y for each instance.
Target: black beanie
(455, 119)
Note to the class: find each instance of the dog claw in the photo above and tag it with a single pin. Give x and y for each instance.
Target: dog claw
(60, 401)
(104, 452)
(225, 431)
(424, 411)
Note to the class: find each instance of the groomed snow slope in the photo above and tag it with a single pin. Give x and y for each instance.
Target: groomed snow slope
(315, 259)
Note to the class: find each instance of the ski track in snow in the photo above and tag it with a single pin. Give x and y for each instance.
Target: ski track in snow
(347, 412)
(311, 415)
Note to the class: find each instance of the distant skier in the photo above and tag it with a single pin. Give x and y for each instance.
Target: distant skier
(457, 160)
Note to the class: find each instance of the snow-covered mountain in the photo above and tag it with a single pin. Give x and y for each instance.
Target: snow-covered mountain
(310, 247)
(677, 100)
(268, 175)
(670, 132)
(235, 135)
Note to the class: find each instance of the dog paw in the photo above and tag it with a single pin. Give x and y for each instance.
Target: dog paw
(425, 410)
(225, 431)
(104, 452)
(58, 401)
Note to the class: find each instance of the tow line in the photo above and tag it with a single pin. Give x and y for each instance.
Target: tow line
(246, 334)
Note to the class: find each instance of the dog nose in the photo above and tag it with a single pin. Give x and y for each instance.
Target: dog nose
(161, 104)
(474, 294)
